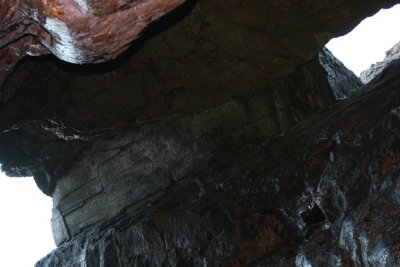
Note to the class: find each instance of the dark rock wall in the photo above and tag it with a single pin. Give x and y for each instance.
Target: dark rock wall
(211, 141)
(342, 80)
(139, 163)
(275, 37)
(53, 127)
(198, 57)
(326, 194)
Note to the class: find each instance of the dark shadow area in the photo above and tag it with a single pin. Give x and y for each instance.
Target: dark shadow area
(314, 218)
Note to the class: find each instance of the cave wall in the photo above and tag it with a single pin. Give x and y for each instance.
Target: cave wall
(214, 140)
(293, 32)
(138, 164)
(201, 55)
(343, 81)
(325, 194)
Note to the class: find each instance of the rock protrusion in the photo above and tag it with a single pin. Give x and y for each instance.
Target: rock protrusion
(375, 69)
(342, 80)
(326, 194)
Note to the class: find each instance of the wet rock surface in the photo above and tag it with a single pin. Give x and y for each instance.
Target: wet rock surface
(375, 69)
(214, 140)
(325, 194)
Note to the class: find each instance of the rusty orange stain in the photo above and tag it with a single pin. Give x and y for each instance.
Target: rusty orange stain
(54, 9)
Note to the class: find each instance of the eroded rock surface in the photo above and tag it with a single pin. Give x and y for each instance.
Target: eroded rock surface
(375, 69)
(137, 164)
(200, 56)
(81, 31)
(183, 151)
(342, 80)
(54, 147)
(275, 37)
(326, 194)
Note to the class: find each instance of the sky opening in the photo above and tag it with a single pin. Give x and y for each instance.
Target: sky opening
(25, 231)
(369, 41)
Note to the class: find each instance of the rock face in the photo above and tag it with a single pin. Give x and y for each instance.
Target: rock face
(275, 37)
(214, 140)
(375, 69)
(166, 152)
(77, 31)
(202, 55)
(342, 80)
(326, 194)
(53, 146)
(137, 165)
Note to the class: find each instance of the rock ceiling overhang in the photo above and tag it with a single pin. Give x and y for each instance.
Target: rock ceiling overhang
(76, 31)
(89, 31)
(200, 56)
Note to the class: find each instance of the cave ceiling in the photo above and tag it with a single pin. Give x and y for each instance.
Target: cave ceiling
(81, 31)
(275, 36)
(198, 55)
(114, 105)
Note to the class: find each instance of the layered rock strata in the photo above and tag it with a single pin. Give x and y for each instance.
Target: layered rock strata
(375, 69)
(202, 55)
(182, 151)
(136, 165)
(342, 80)
(326, 194)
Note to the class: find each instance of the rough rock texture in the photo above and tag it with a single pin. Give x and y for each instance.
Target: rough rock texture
(77, 31)
(54, 146)
(326, 194)
(202, 55)
(375, 69)
(136, 165)
(342, 80)
(273, 36)
(182, 151)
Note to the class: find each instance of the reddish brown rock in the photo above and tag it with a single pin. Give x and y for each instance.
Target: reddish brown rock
(274, 36)
(76, 31)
